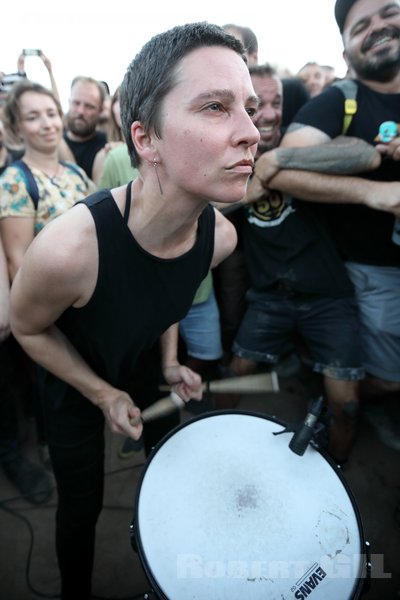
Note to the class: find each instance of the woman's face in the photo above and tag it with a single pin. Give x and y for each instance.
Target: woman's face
(39, 124)
(209, 139)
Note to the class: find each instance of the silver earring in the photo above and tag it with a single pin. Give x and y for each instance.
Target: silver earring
(155, 165)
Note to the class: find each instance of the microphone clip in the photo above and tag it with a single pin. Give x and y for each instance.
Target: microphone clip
(312, 430)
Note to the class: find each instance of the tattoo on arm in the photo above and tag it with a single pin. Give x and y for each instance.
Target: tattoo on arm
(294, 127)
(341, 156)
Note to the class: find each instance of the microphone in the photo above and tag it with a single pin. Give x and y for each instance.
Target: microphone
(304, 433)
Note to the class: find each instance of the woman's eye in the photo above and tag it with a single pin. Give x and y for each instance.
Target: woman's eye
(215, 106)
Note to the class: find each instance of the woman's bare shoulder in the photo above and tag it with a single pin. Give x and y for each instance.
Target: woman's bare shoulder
(64, 256)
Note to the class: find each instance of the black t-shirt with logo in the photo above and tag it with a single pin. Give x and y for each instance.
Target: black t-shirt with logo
(285, 244)
(362, 234)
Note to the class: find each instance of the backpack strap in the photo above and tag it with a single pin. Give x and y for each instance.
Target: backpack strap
(73, 168)
(30, 182)
(349, 89)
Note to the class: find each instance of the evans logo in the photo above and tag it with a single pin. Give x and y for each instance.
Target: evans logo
(309, 582)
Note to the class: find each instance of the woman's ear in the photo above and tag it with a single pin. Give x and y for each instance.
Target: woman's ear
(143, 141)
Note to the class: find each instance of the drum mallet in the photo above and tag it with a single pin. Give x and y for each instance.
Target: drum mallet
(246, 384)
(161, 408)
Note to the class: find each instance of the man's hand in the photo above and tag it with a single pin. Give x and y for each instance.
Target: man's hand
(185, 382)
(255, 190)
(384, 195)
(265, 168)
(390, 150)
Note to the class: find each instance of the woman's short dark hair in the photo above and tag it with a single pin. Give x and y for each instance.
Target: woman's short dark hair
(151, 74)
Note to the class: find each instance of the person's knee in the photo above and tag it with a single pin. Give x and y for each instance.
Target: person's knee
(344, 409)
(343, 398)
(242, 366)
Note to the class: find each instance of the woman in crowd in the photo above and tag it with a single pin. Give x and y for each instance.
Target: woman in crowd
(38, 188)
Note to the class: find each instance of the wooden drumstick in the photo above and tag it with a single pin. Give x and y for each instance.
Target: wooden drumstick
(161, 408)
(260, 382)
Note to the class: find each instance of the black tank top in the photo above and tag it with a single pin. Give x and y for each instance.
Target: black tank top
(137, 295)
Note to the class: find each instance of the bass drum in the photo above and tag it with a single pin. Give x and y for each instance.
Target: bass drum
(226, 511)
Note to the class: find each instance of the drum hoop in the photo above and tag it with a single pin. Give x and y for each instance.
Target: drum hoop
(360, 579)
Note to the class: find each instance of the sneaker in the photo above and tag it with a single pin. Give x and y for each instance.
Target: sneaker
(130, 447)
(31, 480)
(378, 418)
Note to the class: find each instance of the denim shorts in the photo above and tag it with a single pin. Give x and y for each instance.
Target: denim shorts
(378, 298)
(201, 330)
(328, 326)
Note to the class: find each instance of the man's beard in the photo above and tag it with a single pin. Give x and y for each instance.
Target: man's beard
(384, 67)
(79, 127)
(266, 146)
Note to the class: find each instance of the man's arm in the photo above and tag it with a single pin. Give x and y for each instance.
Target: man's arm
(49, 281)
(312, 167)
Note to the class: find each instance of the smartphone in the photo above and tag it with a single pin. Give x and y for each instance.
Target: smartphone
(31, 52)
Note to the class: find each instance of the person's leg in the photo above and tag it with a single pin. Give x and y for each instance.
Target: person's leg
(377, 292)
(264, 333)
(231, 283)
(30, 479)
(266, 328)
(74, 429)
(331, 330)
(200, 331)
(8, 412)
(79, 472)
(343, 401)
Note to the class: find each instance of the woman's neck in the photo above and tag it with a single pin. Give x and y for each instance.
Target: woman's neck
(48, 163)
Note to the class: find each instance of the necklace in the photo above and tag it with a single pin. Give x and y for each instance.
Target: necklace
(51, 178)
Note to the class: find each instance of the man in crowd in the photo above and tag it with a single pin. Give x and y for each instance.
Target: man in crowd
(85, 106)
(360, 210)
(299, 286)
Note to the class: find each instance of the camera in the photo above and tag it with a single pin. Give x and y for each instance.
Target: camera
(31, 52)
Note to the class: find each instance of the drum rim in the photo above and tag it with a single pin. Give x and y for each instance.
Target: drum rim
(359, 581)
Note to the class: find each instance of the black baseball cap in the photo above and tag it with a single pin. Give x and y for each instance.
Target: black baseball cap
(342, 8)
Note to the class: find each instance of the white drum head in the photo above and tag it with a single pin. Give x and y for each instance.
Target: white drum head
(226, 511)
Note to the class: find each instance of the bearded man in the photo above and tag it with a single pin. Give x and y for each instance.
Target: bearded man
(85, 106)
(360, 210)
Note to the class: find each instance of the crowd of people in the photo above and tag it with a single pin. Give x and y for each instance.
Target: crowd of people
(169, 233)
